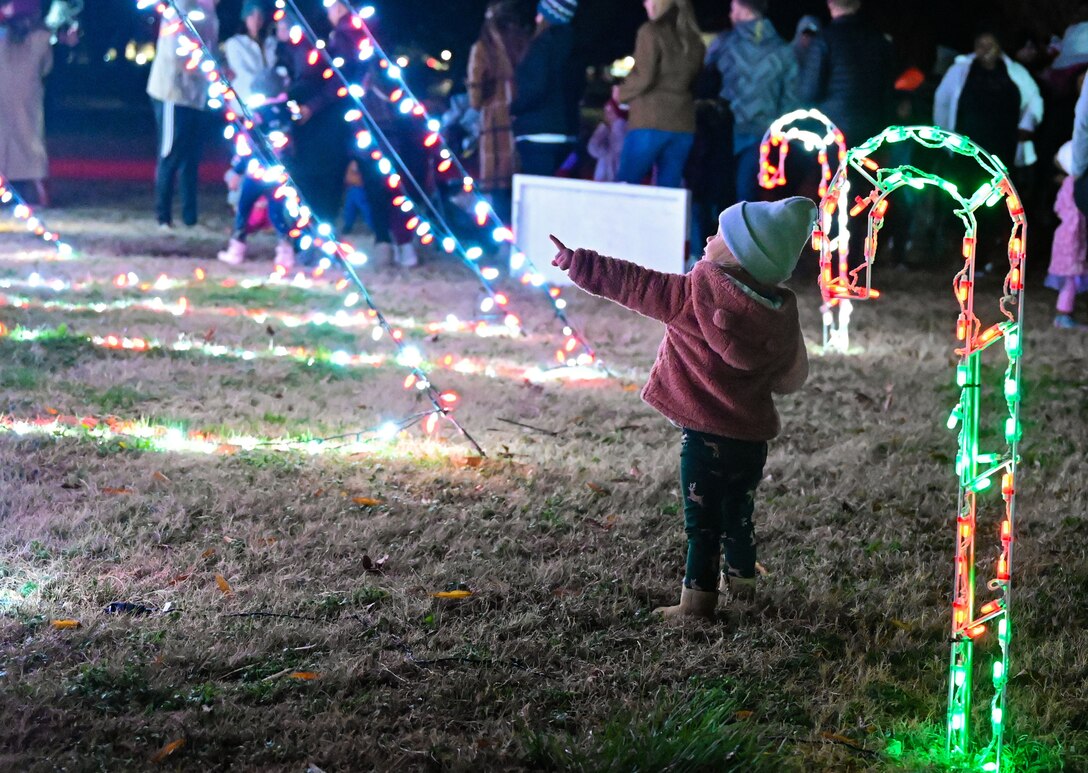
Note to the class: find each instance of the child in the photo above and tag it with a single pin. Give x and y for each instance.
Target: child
(732, 338)
(606, 144)
(268, 103)
(1068, 273)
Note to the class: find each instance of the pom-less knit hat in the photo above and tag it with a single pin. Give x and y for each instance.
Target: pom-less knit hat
(557, 11)
(767, 237)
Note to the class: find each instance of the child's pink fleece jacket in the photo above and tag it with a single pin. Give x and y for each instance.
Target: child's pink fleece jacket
(724, 353)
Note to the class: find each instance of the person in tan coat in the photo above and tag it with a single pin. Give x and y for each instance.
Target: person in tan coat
(492, 61)
(659, 92)
(25, 59)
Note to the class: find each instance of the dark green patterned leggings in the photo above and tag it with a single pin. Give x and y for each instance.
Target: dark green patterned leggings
(718, 479)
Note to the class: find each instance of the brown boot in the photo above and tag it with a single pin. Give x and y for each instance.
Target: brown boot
(693, 603)
(740, 588)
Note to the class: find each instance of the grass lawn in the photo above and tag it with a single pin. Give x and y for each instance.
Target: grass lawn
(282, 611)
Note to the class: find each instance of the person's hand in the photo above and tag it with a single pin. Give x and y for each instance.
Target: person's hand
(304, 114)
(616, 94)
(564, 256)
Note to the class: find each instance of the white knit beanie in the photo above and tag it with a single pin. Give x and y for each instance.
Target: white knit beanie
(767, 237)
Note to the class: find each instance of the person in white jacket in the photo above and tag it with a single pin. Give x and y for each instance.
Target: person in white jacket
(985, 69)
(180, 96)
(251, 52)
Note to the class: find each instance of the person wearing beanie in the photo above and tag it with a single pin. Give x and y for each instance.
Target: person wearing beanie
(660, 91)
(732, 341)
(547, 87)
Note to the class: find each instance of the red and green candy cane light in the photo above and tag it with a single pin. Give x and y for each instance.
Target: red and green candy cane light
(987, 478)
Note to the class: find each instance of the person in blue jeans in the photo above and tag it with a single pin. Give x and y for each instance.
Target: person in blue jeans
(660, 94)
(759, 82)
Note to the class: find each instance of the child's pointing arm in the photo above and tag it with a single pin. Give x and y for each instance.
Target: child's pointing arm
(653, 294)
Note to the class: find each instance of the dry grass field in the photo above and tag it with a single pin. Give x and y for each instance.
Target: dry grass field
(284, 613)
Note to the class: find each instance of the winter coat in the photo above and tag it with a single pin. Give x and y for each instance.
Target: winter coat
(490, 91)
(543, 100)
(22, 120)
(848, 75)
(759, 74)
(1070, 247)
(606, 145)
(660, 87)
(947, 98)
(170, 80)
(727, 347)
(1080, 135)
(246, 59)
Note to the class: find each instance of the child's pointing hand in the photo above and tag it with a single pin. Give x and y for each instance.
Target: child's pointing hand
(564, 257)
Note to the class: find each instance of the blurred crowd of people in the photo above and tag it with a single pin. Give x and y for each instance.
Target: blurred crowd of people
(691, 112)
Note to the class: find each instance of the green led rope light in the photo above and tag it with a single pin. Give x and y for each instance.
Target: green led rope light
(978, 471)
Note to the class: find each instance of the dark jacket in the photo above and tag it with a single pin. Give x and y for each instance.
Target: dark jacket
(542, 102)
(759, 74)
(661, 85)
(848, 75)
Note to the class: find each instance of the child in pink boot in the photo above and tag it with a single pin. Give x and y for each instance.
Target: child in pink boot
(268, 102)
(732, 341)
(1068, 272)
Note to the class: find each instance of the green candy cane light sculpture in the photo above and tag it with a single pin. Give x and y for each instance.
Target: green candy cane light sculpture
(987, 477)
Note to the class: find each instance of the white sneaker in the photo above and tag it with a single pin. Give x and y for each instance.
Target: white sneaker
(406, 255)
(234, 254)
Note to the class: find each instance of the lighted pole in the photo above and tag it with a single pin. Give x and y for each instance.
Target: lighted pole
(977, 470)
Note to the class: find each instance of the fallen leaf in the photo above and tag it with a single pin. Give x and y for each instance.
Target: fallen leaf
(208, 553)
(167, 750)
(66, 624)
(318, 493)
(901, 625)
(841, 739)
(108, 490)
(761, 569)
(209, 335)
(630, 387)
(157, 475)
(366, 501)
(596, 489)
(304, 675)
(224, 586)
(743, 714)
(179, 578)
(471, 461)
(452, 594)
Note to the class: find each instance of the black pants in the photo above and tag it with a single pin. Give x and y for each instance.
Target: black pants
(180, 141)
(718, 478)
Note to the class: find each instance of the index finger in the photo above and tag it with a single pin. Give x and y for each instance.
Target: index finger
(556, 242)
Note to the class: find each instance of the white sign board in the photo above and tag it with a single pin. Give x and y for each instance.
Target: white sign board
(639, 223)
